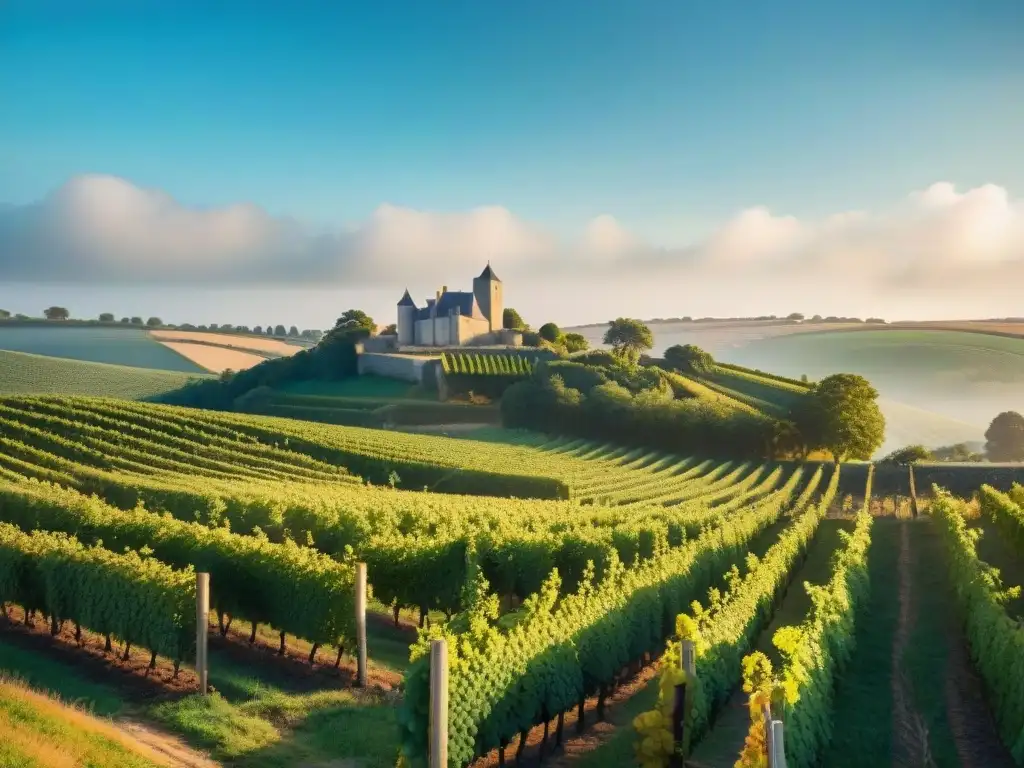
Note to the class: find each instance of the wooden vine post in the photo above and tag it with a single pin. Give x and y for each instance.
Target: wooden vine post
(361, 623)
(202, 629)
(769, 734)
(688, 663)
(778, 759)
(439, 704)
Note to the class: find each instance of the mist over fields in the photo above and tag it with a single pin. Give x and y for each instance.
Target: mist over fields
(936, 387)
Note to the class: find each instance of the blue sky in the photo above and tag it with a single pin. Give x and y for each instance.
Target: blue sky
(671, 116)
(558, 111)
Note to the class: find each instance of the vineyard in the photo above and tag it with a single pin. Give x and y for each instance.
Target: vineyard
(551, 571)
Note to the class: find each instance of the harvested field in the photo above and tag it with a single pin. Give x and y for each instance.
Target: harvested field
(273, 346)
(215, 359)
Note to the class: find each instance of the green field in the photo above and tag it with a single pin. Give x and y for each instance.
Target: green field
(129, 346)
(37, 374)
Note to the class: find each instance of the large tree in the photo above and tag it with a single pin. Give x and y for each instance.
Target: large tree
(356, 318)
(56, 313)
(841, 414)
(628, 338)
(689, 358)
(1004, 438)
(510, 319)
(550, 332)
(353, 326)
(4, 314)
(154, 322)
(911, 454)
(106, 317)
(389, 330)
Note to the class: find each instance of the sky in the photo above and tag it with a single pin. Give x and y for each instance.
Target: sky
(208, 161)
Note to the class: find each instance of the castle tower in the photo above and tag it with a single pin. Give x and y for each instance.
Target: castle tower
(488, 291)
(406, 320)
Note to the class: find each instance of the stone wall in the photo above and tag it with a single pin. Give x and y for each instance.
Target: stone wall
(380, 344)
(402, 367)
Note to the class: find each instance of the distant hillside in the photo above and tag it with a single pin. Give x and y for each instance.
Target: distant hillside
(22, 373)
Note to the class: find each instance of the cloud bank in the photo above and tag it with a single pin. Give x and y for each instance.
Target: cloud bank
(101, 229)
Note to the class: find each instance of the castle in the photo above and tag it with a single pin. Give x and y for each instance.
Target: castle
(454, 318)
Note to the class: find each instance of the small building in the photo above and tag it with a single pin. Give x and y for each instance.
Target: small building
(454, 318)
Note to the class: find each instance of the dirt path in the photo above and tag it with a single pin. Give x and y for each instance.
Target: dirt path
(173, 750)
(974, 731)
(910, 733)
(576, 747)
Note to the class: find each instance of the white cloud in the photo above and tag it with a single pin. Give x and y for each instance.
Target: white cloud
(937, 243)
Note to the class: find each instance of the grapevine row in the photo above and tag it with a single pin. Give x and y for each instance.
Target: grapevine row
(996, 640)
(293, 588)
(135, 599)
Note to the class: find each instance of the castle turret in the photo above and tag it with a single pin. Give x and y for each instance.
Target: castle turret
(406, 319)
(488, 291)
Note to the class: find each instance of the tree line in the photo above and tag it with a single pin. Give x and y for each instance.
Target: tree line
(62, 314)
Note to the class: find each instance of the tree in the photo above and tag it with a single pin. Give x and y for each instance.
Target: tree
(841, 414)
(279, 330)
(389, 330)
(628, 338)
(106, 317)
(1004, 439)
(356, 318)
(510, 319)
(911, 454)
(575, 342)
(125, 320)
(270, 329)
(795, 316)
(689, 358)
(136, 321)
(56, 313)
(4, 314)
(293, 332)
(550, 332)
(959, 452)
(154, 322)
(258, 329)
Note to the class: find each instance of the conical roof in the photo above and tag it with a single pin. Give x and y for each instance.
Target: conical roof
(488, 274)
(406, 300)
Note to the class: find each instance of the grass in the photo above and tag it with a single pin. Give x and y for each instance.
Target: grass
(22, 373)
(259, 715)
(928, 650)
(41, 731)
(863, 705)
(115, 346)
